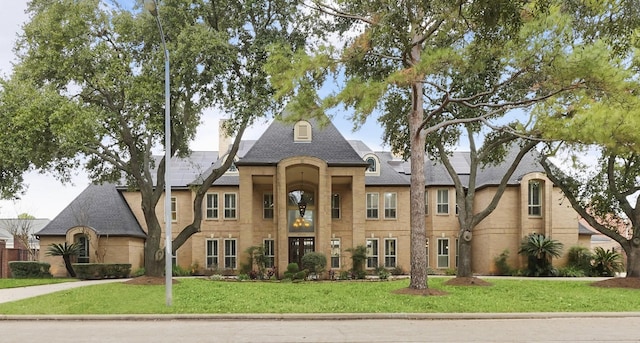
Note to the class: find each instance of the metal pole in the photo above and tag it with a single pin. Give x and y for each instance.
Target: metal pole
(152, 7)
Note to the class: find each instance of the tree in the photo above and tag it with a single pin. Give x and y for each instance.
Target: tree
(539, 251)
(429, 66)
(21, 229)
(67, 251)
(603, 121)
(101, 65)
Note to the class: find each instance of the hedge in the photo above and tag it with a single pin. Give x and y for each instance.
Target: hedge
(96, 271)
(29, 269)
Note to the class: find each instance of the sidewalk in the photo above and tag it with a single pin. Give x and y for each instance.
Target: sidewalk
(19, 293)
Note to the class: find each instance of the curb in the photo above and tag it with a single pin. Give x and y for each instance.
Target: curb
(322, 316)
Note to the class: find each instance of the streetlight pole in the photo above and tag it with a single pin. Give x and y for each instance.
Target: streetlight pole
(152, 7)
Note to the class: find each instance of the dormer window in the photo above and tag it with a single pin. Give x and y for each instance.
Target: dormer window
(374, 165)
(232, 168)
(302, 131)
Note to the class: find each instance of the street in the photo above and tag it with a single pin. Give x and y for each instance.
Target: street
(578, 329)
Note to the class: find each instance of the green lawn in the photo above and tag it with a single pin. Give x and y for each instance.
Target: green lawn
(13, 283)
(203, 296)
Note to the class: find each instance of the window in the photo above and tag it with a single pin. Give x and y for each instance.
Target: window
(174, 209)
(302, 131)
(390, 204)
(229, 206)
(443, 201)
(269, 253)
(390, 252)
(372, 253)
(267, 205)
(426, 202)
(212, 254)
(335, 206)
(456, 203)
(83, 243)
(372, 165)
(230, 254)
(457, 249)
(535, 201)
(335, 253)
(443, 253)
(426, 247)
(372, 205)
(211, 206)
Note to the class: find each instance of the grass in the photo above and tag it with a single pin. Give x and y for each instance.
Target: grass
(13, 283)
(203, 296)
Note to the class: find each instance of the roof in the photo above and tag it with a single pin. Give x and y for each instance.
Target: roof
(100, 207)
(277, 144)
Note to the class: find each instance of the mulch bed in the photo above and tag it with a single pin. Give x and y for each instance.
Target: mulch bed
(467, 281)
(618, 282)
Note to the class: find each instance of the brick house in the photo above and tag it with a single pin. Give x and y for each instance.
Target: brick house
(351, 195)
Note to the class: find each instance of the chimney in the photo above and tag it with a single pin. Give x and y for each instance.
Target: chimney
(224, 141)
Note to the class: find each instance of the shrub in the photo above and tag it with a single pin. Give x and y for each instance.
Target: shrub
(397, 270)
(179, 271)
(606, 262)
(571, 271)
(382, 272)
(96, 271)
(314, 262)
(358, 257)
(539, 251)
(243, 277)
(294, 273)
(216, 277)
(502, 267)
(29, 269)
(139, 272)
(580, 258)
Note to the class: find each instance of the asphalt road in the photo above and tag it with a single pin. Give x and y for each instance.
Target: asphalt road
(558, 329)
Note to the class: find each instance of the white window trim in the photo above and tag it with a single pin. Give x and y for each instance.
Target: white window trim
(375, 205)
(268, 254)
(426, 202)
(224, 206)
(174, 209)
(438, 203)
(299, 129)
(234, 256)
(216, 255)
(376, 160)
(375, 253)
(442, 255)
(332, 256)
(530, 204)
(394, 196)
(395, 252)
(207, 208)
(264, 208)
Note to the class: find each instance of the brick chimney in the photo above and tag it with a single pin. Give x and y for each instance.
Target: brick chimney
(224, 141)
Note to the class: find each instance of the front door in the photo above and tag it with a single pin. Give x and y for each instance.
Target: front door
(298, 246)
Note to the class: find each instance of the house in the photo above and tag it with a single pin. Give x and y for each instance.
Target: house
(303, 187)
(17, 241)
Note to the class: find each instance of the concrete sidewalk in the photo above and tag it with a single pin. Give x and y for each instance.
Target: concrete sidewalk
(19, 293)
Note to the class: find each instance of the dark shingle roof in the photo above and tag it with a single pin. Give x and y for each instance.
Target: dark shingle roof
(277, 143)
(100, 207)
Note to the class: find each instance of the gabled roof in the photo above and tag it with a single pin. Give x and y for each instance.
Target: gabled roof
(277, 143)
(100, 207)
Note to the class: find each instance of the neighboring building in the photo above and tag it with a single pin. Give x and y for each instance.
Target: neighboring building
(351, 196)
(12, 247)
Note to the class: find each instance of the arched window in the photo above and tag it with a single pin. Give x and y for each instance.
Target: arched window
(83, 242)
(374, 164)
(535, 198)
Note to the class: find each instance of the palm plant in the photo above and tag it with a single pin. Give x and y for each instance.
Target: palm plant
(539, 251)
(607, 262)
(66, 251)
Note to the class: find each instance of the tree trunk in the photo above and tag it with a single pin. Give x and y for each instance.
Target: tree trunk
(633, 260)
(464, 255)
(68, 266)
(418, 231)
(153, 254)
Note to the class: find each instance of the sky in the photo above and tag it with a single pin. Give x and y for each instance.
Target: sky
(46, 197)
